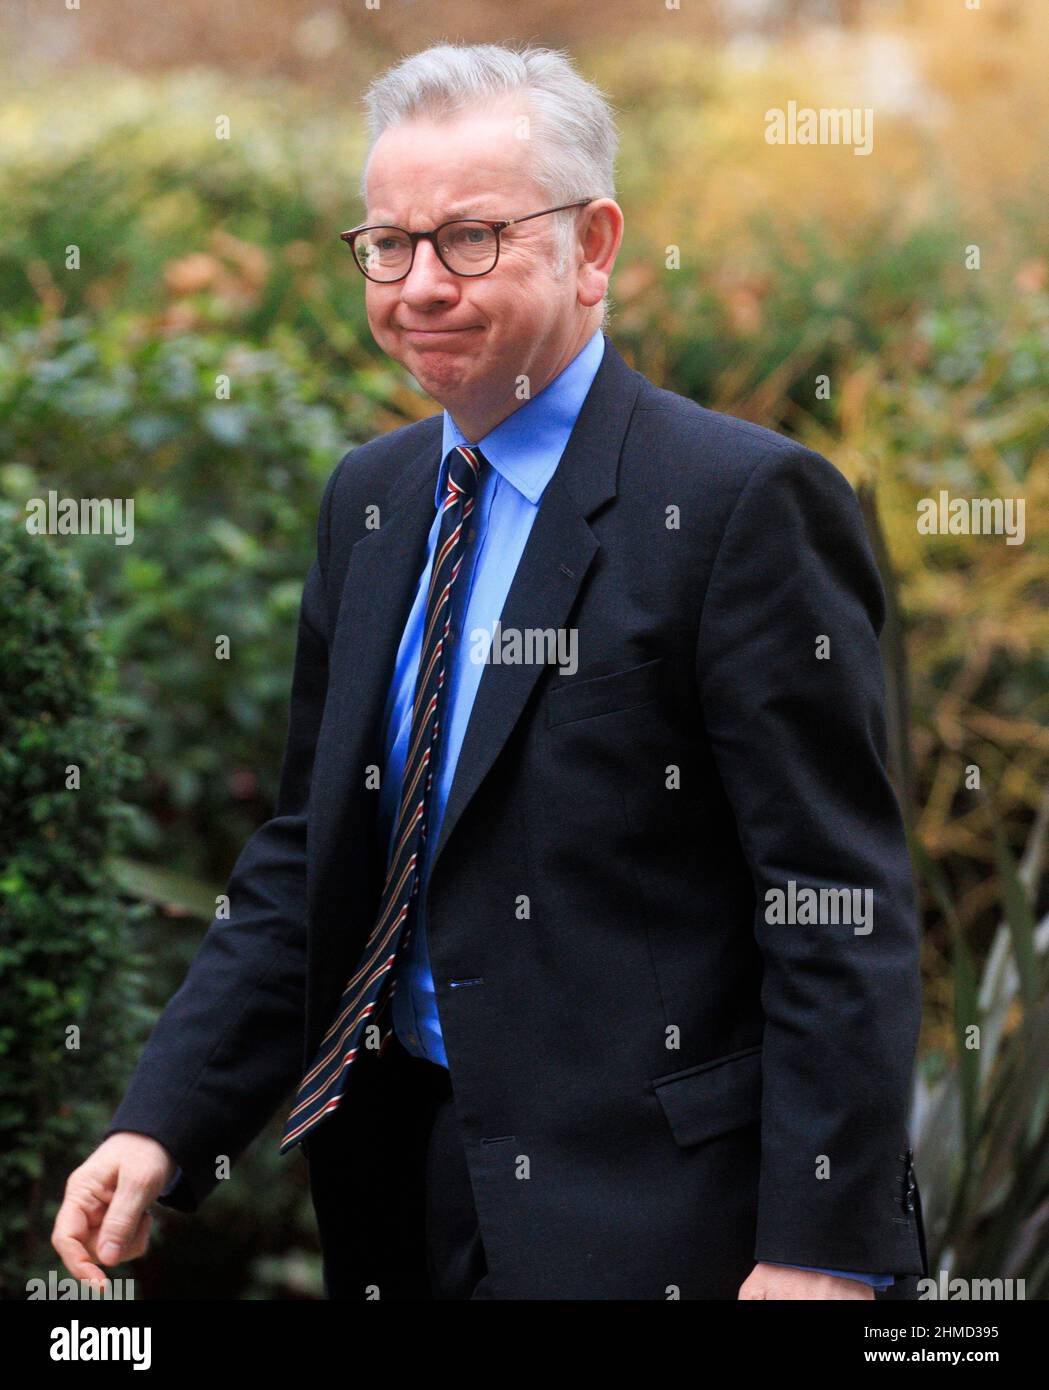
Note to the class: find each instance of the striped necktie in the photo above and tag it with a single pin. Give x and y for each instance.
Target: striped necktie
(366, 999)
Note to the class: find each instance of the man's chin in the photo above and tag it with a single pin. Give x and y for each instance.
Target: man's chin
(440, 362)
(442, 346)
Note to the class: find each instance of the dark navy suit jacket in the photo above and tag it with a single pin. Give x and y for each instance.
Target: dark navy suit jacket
(658, 1082)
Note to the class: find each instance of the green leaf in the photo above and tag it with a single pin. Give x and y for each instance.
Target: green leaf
(165, 888)
(1020, 920)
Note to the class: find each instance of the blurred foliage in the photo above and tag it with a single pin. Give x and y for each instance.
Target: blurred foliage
(204, 261)
(69, 978)
(981, 1117)
(225, 496)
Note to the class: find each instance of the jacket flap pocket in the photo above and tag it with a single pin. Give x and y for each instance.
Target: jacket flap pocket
(582, 699)
(713, 1098)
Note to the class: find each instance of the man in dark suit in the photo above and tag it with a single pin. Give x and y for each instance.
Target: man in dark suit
(584, 930)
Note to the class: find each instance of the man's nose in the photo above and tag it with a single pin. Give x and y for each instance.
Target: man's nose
(429, 278)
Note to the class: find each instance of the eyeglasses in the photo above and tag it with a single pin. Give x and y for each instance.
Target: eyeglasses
(466, 246)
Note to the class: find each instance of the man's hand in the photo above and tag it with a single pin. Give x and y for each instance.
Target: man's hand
(777, 1281)
(104, 1216)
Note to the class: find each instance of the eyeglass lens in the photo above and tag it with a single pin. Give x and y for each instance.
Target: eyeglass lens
(385, 253)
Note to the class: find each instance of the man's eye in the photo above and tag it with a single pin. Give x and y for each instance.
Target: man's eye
(468, 236)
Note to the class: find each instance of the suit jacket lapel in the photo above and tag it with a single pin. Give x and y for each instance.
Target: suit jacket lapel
(561, 548)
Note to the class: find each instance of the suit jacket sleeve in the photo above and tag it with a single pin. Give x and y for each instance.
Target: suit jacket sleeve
(800, 746)
(229, 1045)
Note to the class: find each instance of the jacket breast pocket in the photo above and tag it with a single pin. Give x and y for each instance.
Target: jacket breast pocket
(583, 699)
(712, 1098)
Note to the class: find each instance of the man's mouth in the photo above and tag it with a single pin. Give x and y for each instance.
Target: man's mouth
(436, 332)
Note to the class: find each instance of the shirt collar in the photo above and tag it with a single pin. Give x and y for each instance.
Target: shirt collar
(527, 446)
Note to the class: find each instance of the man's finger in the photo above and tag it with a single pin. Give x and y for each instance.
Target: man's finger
(131, 1248)
(140, 1243)
(122, 1220)
(71, 1230)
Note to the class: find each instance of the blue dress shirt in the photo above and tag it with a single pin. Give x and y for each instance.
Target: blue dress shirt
(523, 451)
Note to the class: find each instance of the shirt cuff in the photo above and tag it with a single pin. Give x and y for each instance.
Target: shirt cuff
(876, 1281)
(172, 1184)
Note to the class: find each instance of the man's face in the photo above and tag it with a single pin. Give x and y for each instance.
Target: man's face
(466, 340)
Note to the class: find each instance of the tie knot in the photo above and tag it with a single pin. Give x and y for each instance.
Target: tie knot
(464, 468)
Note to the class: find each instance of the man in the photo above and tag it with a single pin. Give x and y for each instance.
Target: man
(584, 931)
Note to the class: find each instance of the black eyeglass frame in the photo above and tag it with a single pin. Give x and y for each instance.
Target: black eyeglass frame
(498, 227)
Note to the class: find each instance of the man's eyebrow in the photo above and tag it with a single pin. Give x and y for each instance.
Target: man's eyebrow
(461, 209)
(471, 209)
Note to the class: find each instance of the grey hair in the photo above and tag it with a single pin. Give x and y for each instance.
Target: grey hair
(572, 125)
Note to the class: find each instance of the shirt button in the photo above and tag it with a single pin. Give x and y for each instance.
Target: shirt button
(471, 533)
(412, 1038)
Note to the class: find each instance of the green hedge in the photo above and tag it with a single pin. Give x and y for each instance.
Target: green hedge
(69, 980)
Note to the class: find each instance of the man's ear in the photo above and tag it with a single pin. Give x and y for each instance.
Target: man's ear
(601, 235)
